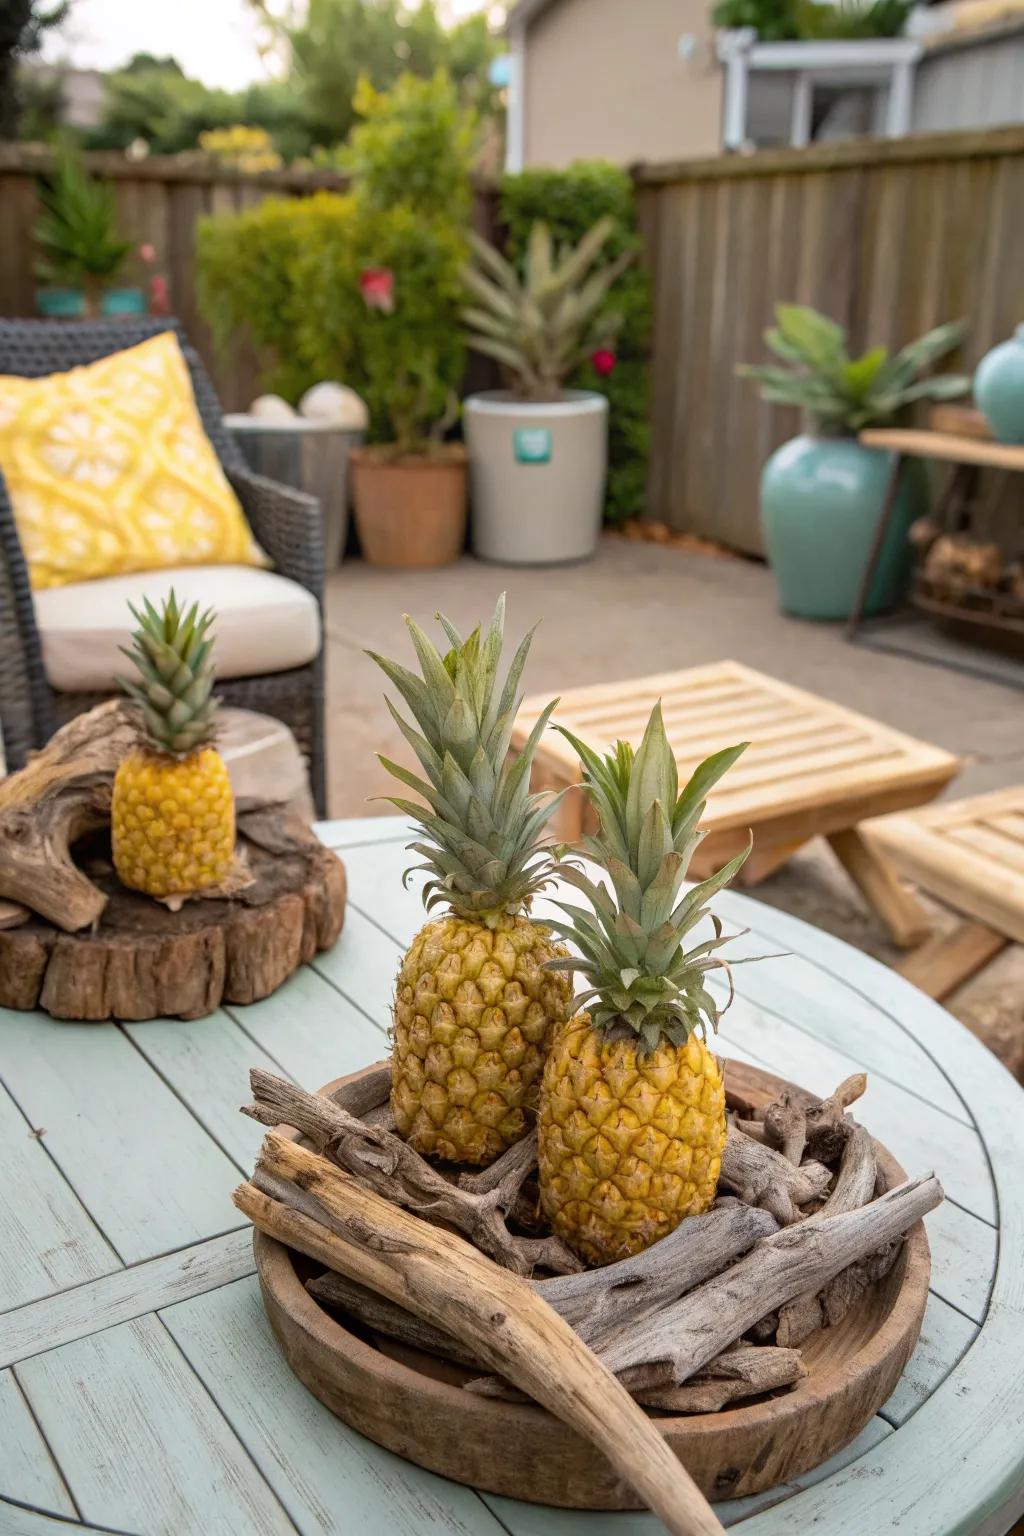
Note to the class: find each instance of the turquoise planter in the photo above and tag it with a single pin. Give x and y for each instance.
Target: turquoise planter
(123, 301)
(60, 303)
(999, 388)
(821, 498)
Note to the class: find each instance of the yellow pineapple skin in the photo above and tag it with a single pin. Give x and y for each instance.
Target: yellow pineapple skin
(628, 1145)
(474, 1015)
(172, 822)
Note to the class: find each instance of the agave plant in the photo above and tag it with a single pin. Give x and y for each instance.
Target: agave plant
(842, 393)
(76, 232)
(540, 326)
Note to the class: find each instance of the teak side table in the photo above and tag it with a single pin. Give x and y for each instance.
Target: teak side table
(813, 768)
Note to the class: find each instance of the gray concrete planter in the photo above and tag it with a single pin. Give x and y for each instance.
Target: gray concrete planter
(537, 475)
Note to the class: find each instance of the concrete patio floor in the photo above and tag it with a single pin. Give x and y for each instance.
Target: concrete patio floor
(644, 608)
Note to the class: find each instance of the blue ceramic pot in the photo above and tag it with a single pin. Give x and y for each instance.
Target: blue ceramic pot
(821, 498)
(123, 301)
(60, 303)
(999, 388)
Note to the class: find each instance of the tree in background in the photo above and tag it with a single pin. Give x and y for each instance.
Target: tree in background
(332, 44)
(22, 26)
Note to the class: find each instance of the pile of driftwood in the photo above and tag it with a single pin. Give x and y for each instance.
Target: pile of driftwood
(712, 1314)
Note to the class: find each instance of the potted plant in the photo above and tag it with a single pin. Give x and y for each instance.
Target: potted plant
(538, 451)
(822, 492)
(81, 253)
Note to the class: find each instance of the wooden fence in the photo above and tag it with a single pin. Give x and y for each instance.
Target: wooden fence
(888, 237)
(159, 201)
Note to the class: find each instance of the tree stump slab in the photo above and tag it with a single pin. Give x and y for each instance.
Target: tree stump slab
(142, 961)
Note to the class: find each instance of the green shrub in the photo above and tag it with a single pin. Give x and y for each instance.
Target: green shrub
(290, 274)
(570, 202)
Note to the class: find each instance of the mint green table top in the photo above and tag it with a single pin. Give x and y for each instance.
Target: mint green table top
(141, 1391)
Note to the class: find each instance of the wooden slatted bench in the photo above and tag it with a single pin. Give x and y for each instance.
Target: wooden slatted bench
(813, 767)
(970, 854)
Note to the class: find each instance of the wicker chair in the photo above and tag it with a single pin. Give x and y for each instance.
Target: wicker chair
(286, 523)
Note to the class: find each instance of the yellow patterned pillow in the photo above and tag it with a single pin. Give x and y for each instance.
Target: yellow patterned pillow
(109, 470)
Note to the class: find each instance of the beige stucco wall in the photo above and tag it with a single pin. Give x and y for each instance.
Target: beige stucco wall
(605, 80)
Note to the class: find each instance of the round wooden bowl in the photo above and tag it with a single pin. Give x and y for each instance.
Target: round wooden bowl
(413, 1404)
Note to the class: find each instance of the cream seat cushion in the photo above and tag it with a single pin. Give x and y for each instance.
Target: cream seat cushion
(265, 622)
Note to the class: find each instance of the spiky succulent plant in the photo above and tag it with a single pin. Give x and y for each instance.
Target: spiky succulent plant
(480, 822)
(641, 977)
(540, 326)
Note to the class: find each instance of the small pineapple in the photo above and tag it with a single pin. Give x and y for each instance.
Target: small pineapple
(632, 1106)
(173, 812)
(475, 1008)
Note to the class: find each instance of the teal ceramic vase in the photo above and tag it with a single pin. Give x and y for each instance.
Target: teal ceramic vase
(999, 388)
(821, 498)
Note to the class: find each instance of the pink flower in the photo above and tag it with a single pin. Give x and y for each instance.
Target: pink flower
(159, 299)
(603, 360)
(377, 286)
(147, 253)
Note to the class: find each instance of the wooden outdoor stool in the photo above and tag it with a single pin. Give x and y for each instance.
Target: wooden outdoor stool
(813, 768)
(970, 854)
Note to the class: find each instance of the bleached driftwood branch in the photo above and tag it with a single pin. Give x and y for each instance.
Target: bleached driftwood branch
(387, 1165)
(451, 1285)
(682, 1338)
(763, 1177)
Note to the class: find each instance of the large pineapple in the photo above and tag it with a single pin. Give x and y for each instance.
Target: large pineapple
(173, 812)
(632, 1107)
(474, 1007)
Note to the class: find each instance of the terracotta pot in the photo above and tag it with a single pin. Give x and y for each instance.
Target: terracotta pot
(410, 512)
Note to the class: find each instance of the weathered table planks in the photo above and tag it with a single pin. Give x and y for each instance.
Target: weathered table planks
(141, 1392)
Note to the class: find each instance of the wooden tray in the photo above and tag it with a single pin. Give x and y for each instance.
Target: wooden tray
(411, 1402)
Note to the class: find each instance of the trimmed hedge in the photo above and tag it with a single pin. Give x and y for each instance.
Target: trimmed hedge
(570, 202)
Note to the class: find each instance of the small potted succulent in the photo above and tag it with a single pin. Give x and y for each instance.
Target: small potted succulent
(81, 252)
(822, 492)
(538, 451)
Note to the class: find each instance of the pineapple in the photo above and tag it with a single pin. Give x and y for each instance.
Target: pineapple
(475, 1007)
(173, 812)
(632, 1106)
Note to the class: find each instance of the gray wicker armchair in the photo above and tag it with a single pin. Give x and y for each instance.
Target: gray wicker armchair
(286, 523)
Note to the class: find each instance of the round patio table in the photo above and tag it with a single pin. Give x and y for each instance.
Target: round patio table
(141, 1391)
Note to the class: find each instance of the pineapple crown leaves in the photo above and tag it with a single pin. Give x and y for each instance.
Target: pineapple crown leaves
(172, 651)
(632, 942)
(479, 821)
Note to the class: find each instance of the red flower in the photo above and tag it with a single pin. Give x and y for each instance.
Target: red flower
(377, 286)
(603, 360)
(159, 300)
(147, 253)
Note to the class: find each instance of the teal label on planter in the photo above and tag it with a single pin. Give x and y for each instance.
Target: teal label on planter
(532, 445)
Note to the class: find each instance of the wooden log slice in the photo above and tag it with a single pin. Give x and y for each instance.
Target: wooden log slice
(142, 961)
(413, 1402)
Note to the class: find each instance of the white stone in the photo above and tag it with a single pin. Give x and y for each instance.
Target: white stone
(272, 408)
(336, 403)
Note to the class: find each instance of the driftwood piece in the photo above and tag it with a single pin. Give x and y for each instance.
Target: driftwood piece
(391, 1168)
(380, 1315)
(786, 1124)
(62, 793)
(448, 1283)
(827, 1122)
(682, 1338)
(763, 1177)
(743, 1371)
(854, 1187)
(142, 961)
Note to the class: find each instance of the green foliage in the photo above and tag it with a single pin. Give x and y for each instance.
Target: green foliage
(41, 102)
(781, 20)
(76, 231)
(413, 145)
(542, 325)
(333, 44)
(845, 394)
(570, 202)
(23, 24)
(288, 273)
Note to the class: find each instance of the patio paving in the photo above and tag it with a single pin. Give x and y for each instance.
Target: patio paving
(644, 608)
